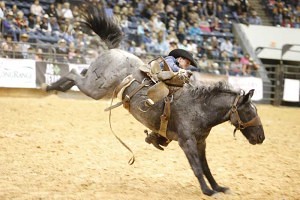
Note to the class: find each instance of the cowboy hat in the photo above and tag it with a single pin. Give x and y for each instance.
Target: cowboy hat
(185, 54)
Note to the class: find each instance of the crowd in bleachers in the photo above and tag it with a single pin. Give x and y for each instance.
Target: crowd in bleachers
(151, 27)
(284, 13)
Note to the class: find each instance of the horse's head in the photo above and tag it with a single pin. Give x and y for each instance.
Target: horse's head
(245, 118)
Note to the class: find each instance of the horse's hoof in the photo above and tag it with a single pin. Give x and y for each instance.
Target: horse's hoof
(225, 190)
(44, 87)
(209, 192)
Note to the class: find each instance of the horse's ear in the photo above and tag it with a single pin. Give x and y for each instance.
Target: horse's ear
(247, 97)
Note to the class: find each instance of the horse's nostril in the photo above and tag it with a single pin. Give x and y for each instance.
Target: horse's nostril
(261, 137)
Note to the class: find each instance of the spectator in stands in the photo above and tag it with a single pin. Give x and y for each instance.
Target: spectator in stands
(20, 21)
(226, 25)
(45, 25)
(224, 64)
(80, 41)
(66, 11)
(36, 8)
(215, 25)
(8, 47)
(31, 21)
(39, 55)
(226, 48)
(204, 24)
(170, 8)
(192, 46)
(254, 19)
(173, 44)
(24, 45)
(55, 26)
(244, 4)
(72, 54)
(59, 13)
(15, 10)
(237, 49)
(51, 11)
(193, 16)
(140, 50)
(172, 36)
(37, 24)
(171, 21)
(2, 10)
(194, 32)
(62, 51)
(245, 60)
(155, 24)
(214, 68)
(181, 32)
(184, 44)
(162, 45)
(221, 10)
(251, 68)
(204, 63)
(214, 52)
(235, 68)
(210, 9)
(9, 26)
(75, 11)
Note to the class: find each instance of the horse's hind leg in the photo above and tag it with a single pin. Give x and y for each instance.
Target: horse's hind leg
(64, 83)
(206, 170)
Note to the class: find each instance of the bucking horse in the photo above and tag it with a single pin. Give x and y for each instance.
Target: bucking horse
(194, 109)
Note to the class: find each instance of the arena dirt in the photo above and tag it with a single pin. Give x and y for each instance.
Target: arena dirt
(58, 148)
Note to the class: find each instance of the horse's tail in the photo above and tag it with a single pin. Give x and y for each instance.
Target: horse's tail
(105, 27)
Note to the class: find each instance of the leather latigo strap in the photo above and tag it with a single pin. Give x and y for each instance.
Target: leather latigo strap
(164, 118)
(126, 100)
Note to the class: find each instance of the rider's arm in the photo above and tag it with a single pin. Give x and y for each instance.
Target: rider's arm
(172, 63)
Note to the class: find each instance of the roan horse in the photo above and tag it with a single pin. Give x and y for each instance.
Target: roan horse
(195, 110)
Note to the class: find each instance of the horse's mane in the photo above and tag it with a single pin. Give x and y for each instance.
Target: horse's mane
(105, 27)
(207, 90)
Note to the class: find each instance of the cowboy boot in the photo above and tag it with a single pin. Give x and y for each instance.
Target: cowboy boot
(157, 140)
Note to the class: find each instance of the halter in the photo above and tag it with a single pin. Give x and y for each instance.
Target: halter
(236, 120)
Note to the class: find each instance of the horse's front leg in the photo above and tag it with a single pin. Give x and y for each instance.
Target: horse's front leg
(189, 146)
(202, 153)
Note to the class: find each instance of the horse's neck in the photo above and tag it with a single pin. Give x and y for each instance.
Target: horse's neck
(220, 105)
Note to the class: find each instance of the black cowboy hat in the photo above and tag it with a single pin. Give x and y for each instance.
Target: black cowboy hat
(176, 53)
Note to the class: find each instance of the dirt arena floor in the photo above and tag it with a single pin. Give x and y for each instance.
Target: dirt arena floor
(55, 147)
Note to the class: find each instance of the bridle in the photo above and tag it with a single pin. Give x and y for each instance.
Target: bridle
(236, 120)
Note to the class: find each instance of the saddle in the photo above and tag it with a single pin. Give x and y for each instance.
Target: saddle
(164, 78)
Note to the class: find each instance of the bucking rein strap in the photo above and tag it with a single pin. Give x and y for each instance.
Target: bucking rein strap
(118, 93)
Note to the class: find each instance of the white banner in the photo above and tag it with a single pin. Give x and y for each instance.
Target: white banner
(248, 83)
(17, 73)
(291, 90)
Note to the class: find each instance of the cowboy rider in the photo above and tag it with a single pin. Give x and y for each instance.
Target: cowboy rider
(177, 60)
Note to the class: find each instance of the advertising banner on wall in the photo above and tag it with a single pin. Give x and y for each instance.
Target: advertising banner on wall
(248, 83)
(291, 90)
(49, 72)
(17, 73)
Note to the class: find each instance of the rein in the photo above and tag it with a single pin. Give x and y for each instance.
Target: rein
(236, 120)
(125, 102)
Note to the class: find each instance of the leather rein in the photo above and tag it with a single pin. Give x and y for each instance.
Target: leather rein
(236, 120)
